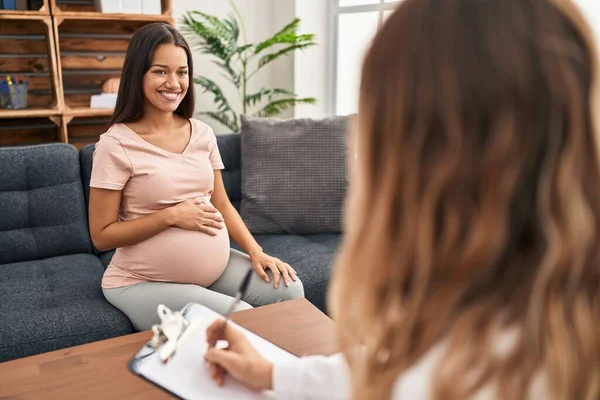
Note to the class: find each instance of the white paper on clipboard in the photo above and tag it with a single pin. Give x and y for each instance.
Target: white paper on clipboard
(187, 375)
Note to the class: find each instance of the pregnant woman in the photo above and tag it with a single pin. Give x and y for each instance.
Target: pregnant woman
(157, 196)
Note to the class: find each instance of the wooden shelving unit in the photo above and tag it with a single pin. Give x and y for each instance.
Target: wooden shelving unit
(66, 51)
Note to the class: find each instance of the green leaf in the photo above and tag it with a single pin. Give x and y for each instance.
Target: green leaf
(273, 56)
(232, 75)
(205, 39)
(225, 113)
(210, 86)
(232, 25)
(220, 28)
(243, 48)
(223, 118)
(285, 35)
(278, 106)
(215, 37)
(211, 35)
(255, 98)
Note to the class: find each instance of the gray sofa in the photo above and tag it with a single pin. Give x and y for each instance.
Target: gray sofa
(50, 273)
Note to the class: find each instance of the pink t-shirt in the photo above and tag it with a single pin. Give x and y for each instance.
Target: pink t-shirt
(152, 179)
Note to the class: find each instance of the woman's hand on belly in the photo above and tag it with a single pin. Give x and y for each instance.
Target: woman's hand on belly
(197, 215)
(178, 255)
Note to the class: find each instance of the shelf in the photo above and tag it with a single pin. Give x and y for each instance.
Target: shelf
(32, 130)
(81, 130)
(96, 16)
(11, 15)
(89, 112)
(28, 113)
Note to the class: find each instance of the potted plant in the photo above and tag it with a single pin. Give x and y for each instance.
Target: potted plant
(241, 61)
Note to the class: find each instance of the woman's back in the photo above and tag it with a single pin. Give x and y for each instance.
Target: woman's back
(476, 203)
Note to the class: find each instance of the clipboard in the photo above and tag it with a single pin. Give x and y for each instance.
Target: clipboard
(187, 376)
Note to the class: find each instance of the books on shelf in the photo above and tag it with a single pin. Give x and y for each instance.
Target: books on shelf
(19, 5)
(8, 5)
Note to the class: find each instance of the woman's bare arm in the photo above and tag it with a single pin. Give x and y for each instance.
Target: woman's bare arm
(108, 232)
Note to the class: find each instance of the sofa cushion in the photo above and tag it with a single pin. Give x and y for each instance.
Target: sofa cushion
(54, 303)
(105, 257)
(229, 147)
(41, 203)
(311, 256)
(86, 155)
(294, 174)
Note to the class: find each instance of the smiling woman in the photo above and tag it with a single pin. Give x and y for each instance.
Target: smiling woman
(155, 63)
(157, 196)
(168, 80)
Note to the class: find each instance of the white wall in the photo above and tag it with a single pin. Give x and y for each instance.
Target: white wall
(262, 19)
(591, 9)
(313, 66)
(283, 69)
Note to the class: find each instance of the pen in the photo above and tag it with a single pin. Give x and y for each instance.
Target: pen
(6, 94)
(238, 296)
(10, 86)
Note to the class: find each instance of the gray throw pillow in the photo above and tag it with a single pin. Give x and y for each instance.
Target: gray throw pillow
(294, 174)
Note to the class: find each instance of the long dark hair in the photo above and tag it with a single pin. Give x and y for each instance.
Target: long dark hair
(130, 100)
(478, 133)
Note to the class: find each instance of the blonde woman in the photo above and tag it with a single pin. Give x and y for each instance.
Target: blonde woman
(470, 267)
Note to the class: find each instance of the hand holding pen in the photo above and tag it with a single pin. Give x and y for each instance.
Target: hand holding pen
(239, 358)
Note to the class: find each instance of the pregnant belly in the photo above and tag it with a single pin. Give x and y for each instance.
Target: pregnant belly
(177, 255)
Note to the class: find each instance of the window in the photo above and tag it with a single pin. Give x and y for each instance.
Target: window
(355, 25)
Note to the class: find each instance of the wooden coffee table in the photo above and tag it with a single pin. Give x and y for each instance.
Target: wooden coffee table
(99, 369)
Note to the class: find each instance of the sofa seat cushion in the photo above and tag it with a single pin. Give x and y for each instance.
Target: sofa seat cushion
(54, 303)
(310, 255)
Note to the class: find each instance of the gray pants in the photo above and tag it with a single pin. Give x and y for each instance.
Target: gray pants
(140, 301)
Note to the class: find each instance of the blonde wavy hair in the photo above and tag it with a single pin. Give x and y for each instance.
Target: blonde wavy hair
(474, 211)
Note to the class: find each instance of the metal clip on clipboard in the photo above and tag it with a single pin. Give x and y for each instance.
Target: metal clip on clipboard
(174, 328)
(172, 331)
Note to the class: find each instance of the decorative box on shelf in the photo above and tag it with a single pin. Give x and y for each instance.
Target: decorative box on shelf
(109, 6)
(150, 7)
(103, 100)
